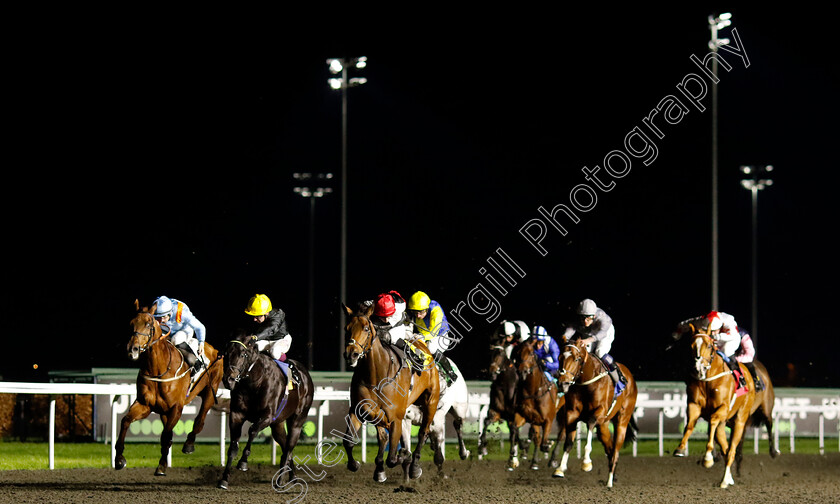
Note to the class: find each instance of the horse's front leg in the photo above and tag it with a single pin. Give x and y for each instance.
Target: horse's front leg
(137, 411)
(379, 475)
(235, 425)
(734, 445)
(170, 419)
(693, 414)
(349, 439)
(428, 408)
(716, 421)
(491, 418)
(561, 436)
(207, 402)
(586, 463)
(513, 432)
(537, 434)
(255, 429)
(457, 423)
(571, 433)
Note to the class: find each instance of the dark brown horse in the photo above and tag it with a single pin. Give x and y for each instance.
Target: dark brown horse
(536, 399)
(258, 394)
(590, 398)
(711, 395)
(380, 391)
(502, 407)
(163, 385)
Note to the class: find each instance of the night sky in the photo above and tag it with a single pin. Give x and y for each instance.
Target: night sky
(155, 157)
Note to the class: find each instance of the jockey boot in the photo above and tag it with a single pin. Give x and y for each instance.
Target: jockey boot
(736, 370)
(416, 356)
(759, 385)
(617, 378)
(444, 364)
(190, 358)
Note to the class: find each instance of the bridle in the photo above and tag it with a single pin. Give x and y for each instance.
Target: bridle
(370, 329)
(580, 359)
(527, 371)
(152, 326)
(702, 364)
(241, 372)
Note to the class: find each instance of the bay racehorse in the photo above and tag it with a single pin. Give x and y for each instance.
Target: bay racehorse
(454, 402)
(590, 398)
(259, 394)
(164, 385)
(502, 407)
(537, 399)
(381, 390)
(711, 395)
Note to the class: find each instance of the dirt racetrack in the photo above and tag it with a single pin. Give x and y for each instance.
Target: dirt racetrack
(791, 478)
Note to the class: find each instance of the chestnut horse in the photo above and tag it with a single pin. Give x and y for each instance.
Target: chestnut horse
(590, 398)
(381, 390)
(163, 385)
(536, 399)
(502, 408)
(258, 394)
(711, 395)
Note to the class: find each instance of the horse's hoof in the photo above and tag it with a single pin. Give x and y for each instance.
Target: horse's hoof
(242, 466)
(160, 472)
(775, 453)
(353, 465)
(223, 485)
(465, 455)
(415, 471)
(535, 467)
(380, 477)
(119, 463)
(558, 473)
(188, 448)
(681, 453)
(586, 466)
(708, 462)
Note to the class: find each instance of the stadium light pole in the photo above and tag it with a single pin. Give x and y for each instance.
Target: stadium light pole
(341, 82)
(716, 23)
(313, 193)
(754, 183)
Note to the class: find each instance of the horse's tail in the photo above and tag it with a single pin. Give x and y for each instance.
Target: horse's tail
(632, 430)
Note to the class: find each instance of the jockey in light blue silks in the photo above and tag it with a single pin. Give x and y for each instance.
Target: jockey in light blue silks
(187, 333)
(547, 353)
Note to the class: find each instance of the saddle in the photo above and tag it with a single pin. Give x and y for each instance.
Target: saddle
(287, 369)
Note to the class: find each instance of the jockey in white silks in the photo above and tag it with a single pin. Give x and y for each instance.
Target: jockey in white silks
(510, 333)
(389, 311)
(733, 344)
(595, 328)
(187, 333)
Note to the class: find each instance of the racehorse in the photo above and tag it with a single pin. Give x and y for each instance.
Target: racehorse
(381, 390)
(711, 394)
(502, 407)
(590, 398)
(258, 394)
(454, 402)
(163, 385)
(536, 399)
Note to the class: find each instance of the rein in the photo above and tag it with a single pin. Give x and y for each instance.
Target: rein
(149, 343)
(582, 360)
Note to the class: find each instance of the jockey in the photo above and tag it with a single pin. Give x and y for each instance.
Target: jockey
(724, 329)
(186, 332)
(389, 311)
(510, 333)
(596, 330)
(269, 329)
(547, 353)
(431, 323)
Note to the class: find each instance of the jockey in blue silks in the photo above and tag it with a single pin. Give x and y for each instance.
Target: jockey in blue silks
(547, 353)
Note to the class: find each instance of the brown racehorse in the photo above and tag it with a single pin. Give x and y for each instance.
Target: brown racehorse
(537, 400)
(163, 385)
(381, 390)
(711, 395)
(502, 407)
(590, 398)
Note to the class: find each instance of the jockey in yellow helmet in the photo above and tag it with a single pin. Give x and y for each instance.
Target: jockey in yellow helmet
(430, 322)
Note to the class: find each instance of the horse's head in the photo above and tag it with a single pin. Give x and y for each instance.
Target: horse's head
(572, 359)
(498, 360)
(703, 350)
(359, 333)
(240, 355)
(524, 359)
(145, 331)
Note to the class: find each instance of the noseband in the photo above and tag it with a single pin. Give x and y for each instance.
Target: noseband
(580, 359)
(371, 333)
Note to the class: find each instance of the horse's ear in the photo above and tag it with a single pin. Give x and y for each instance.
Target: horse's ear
(693, 329)
(137, 305)
(347, 310)
(153, 309)
(369, 310)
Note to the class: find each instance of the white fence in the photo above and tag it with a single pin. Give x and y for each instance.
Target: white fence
(324, 396)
